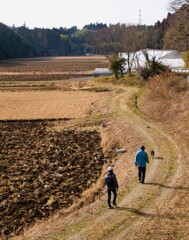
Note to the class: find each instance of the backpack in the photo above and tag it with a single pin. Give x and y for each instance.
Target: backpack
(109, 181)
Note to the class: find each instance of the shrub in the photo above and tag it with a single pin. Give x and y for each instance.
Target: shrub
(153, 67)
(117, 65)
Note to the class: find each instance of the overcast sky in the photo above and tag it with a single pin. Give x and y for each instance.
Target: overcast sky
(68, 13)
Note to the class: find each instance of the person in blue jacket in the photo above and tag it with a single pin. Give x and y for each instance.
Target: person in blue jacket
(141, 159)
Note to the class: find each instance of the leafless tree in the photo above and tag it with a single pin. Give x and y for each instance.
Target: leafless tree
(107, 40)
(133, 39)
(177, 4)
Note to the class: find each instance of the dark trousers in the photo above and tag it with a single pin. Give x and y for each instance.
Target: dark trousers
(141, 174)
(110, 191)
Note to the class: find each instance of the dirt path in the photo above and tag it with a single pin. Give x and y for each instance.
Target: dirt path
(141, 205)
(143, 211)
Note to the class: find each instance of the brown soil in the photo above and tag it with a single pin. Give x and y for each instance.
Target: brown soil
(43, 171)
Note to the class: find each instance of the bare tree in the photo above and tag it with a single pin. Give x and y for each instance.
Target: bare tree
(107, 40)
(177, 4)
(133, 39)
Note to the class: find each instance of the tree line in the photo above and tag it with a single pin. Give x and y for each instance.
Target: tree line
(98, 38)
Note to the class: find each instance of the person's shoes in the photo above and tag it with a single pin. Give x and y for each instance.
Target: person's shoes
(115, 204)
(110, 207)
(142, 182)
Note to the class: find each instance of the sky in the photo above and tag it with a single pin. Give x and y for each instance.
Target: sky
(69, 13)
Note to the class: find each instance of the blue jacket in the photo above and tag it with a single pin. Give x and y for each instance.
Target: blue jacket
(141, 158)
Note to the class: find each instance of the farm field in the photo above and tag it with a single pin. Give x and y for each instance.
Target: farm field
(49, 68)
(59, 135)
(38, 152)
(48, 104)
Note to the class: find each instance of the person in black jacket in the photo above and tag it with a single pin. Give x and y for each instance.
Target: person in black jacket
(112, 186)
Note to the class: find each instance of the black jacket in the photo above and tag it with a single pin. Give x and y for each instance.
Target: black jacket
(114, 178)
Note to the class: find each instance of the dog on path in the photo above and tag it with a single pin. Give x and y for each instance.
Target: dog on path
(152, 153)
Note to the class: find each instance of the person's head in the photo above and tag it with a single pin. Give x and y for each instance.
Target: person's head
(110, 169)
(142, 148)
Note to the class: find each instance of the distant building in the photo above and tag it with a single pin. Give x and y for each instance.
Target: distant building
(104, 72)
(171, 58)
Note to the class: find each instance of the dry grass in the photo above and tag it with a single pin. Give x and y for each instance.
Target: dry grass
(48, 104)
(167, 86)
(127, 80)
(165, 99)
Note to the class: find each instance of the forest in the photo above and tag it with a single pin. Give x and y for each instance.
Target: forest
(95, 38)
